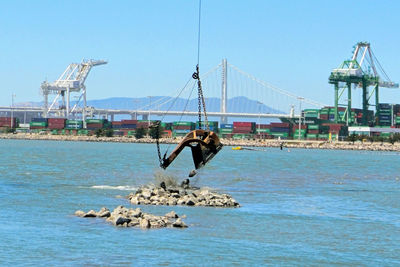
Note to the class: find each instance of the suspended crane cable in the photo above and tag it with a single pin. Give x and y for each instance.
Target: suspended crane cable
(380, 66)
(198, 35)
(180, 118)
(170, 98)
(281, 91)
(176, 98)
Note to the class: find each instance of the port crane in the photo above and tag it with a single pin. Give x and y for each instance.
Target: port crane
(361, 70)
(72, 80)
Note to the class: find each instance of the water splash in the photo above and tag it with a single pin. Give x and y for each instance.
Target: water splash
(118, 187)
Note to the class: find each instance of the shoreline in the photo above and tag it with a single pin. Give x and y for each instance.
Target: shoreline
(306, 144)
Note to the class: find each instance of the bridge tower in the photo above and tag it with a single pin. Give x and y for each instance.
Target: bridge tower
(224, 96)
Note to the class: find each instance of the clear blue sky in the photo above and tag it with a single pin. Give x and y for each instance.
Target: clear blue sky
(151, 45)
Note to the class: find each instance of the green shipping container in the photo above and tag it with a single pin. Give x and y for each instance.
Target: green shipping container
(263, 130)
(182, 123)
(83, 132)
(311, 115)
(313, 127)
(95, 121)
(38, 124)
(296, 136)
(302, 131)
(323, 136)
(312, 136)
(279, 134)
(311, 110)
(74, 122)
(242, 136)
(73, 126)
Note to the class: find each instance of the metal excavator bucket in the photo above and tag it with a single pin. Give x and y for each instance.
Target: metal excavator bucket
(204, 144)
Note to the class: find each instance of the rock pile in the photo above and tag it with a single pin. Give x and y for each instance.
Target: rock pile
(125, 217)
(183, 195)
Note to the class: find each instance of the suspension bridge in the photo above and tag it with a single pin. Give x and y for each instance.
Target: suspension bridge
(229, 93)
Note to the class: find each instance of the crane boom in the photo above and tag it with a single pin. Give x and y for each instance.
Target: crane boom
(72, 80)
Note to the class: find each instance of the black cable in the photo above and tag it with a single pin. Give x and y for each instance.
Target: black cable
(198, 35)
(180, 118)
(176, 98)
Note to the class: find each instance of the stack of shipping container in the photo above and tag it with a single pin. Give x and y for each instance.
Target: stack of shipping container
(263, 131)
(280, 130)
(73, 124)
(299, 131)
(38, 124)
(226, 130)
(385, 114)
(127, 127)
(95, 124)
(242, 130)
(213, 125)
(7, 122)
(181, 128)
(56, 123)
(396, 113)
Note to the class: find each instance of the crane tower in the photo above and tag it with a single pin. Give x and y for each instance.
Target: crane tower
(72, 80)
(360, 71)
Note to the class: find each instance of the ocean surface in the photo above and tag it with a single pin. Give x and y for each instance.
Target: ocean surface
(298, 207)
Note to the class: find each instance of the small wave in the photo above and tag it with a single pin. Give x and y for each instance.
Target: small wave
(118, 187)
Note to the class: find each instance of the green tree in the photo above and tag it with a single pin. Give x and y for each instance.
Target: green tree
(392, 139)
(99, 132)
(155, 132)
(109, 133)
(352, 138)
(140, 133)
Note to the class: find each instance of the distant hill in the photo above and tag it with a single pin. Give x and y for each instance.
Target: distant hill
(236, 104)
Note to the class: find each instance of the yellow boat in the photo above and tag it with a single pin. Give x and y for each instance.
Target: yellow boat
(237, 148)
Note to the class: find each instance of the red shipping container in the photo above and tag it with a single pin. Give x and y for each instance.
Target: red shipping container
(37, 127)
(302, 126)
(249, 129)
(117, 123)
(243, 124)
(56, 126)
(142, 125)
(131, 122)
(56, 120)
(7, 119)
(182, 127)
(242, 131)
(324, 117)
(263, 126)
(280, 124)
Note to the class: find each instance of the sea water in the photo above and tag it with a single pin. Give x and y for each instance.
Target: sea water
(298, 207)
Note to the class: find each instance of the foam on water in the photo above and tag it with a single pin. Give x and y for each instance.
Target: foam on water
(117, 187)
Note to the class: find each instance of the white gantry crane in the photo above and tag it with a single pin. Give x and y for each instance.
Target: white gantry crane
(71, 81)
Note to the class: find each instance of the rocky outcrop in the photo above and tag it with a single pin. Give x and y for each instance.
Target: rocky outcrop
(124, 217)
(183, 195)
